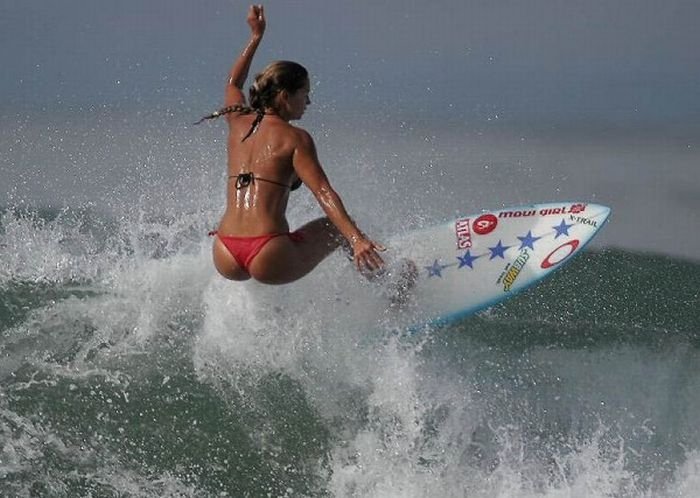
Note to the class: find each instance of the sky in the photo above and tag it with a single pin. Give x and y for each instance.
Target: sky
(595, 99)
(630, 60)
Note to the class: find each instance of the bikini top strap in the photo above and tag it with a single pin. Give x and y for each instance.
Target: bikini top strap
(243, 180)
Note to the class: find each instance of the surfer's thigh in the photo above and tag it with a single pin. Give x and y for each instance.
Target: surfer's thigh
(285, 259)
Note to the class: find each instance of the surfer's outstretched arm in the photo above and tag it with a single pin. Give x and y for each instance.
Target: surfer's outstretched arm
(239, 71)
(308, 168)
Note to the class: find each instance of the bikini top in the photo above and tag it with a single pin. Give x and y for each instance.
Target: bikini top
(245, 179)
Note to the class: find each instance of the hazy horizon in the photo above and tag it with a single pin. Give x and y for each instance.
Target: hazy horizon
(629, 61)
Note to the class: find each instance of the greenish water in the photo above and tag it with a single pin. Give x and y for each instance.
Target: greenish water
(134, 371)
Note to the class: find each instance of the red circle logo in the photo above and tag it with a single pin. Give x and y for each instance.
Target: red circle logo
(486, 223)
(560, 254)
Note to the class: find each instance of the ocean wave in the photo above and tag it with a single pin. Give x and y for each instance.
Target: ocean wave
(131, 368)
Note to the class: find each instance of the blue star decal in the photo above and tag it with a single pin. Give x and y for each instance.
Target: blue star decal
(528, 240)
(499, 250)
(562, 228)
(435, 270)
(467, 260)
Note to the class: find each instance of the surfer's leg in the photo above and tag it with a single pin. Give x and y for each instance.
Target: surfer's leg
(287, 258)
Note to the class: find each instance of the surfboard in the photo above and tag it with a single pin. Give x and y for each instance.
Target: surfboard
(476, 261)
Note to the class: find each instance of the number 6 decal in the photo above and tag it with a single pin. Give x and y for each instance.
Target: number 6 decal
(486, 223)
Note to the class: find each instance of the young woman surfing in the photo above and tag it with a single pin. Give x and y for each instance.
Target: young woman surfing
(268, 158)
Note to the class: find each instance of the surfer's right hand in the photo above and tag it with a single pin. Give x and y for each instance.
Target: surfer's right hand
(256, 19)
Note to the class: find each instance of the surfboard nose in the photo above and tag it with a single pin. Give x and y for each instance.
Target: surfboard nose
(600, 212)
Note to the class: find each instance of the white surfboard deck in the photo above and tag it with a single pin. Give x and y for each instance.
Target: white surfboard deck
(479, 260)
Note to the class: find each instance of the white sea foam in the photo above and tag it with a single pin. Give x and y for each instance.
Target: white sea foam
(438, 414)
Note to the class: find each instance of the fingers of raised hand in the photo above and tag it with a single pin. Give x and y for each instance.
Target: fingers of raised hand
(256, 16)
(258, 11)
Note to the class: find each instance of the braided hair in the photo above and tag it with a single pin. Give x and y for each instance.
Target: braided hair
(276, 77)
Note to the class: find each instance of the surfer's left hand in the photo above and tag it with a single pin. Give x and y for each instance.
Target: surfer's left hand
(365, 254)
(256, 19)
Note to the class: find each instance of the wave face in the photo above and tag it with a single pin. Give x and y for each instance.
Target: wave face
(130, 369)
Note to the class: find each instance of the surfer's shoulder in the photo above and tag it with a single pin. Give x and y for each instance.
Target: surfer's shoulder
(302, 136)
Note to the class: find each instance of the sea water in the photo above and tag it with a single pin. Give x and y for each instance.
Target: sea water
(130, 368)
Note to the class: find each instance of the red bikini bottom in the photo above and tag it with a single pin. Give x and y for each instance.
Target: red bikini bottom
(244, 249)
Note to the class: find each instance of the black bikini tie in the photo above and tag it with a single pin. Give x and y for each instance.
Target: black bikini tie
(243, 180)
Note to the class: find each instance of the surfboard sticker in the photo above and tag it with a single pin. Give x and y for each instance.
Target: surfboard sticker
(560, 254)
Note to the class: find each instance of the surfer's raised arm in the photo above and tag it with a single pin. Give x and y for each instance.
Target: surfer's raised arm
(239, 71)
